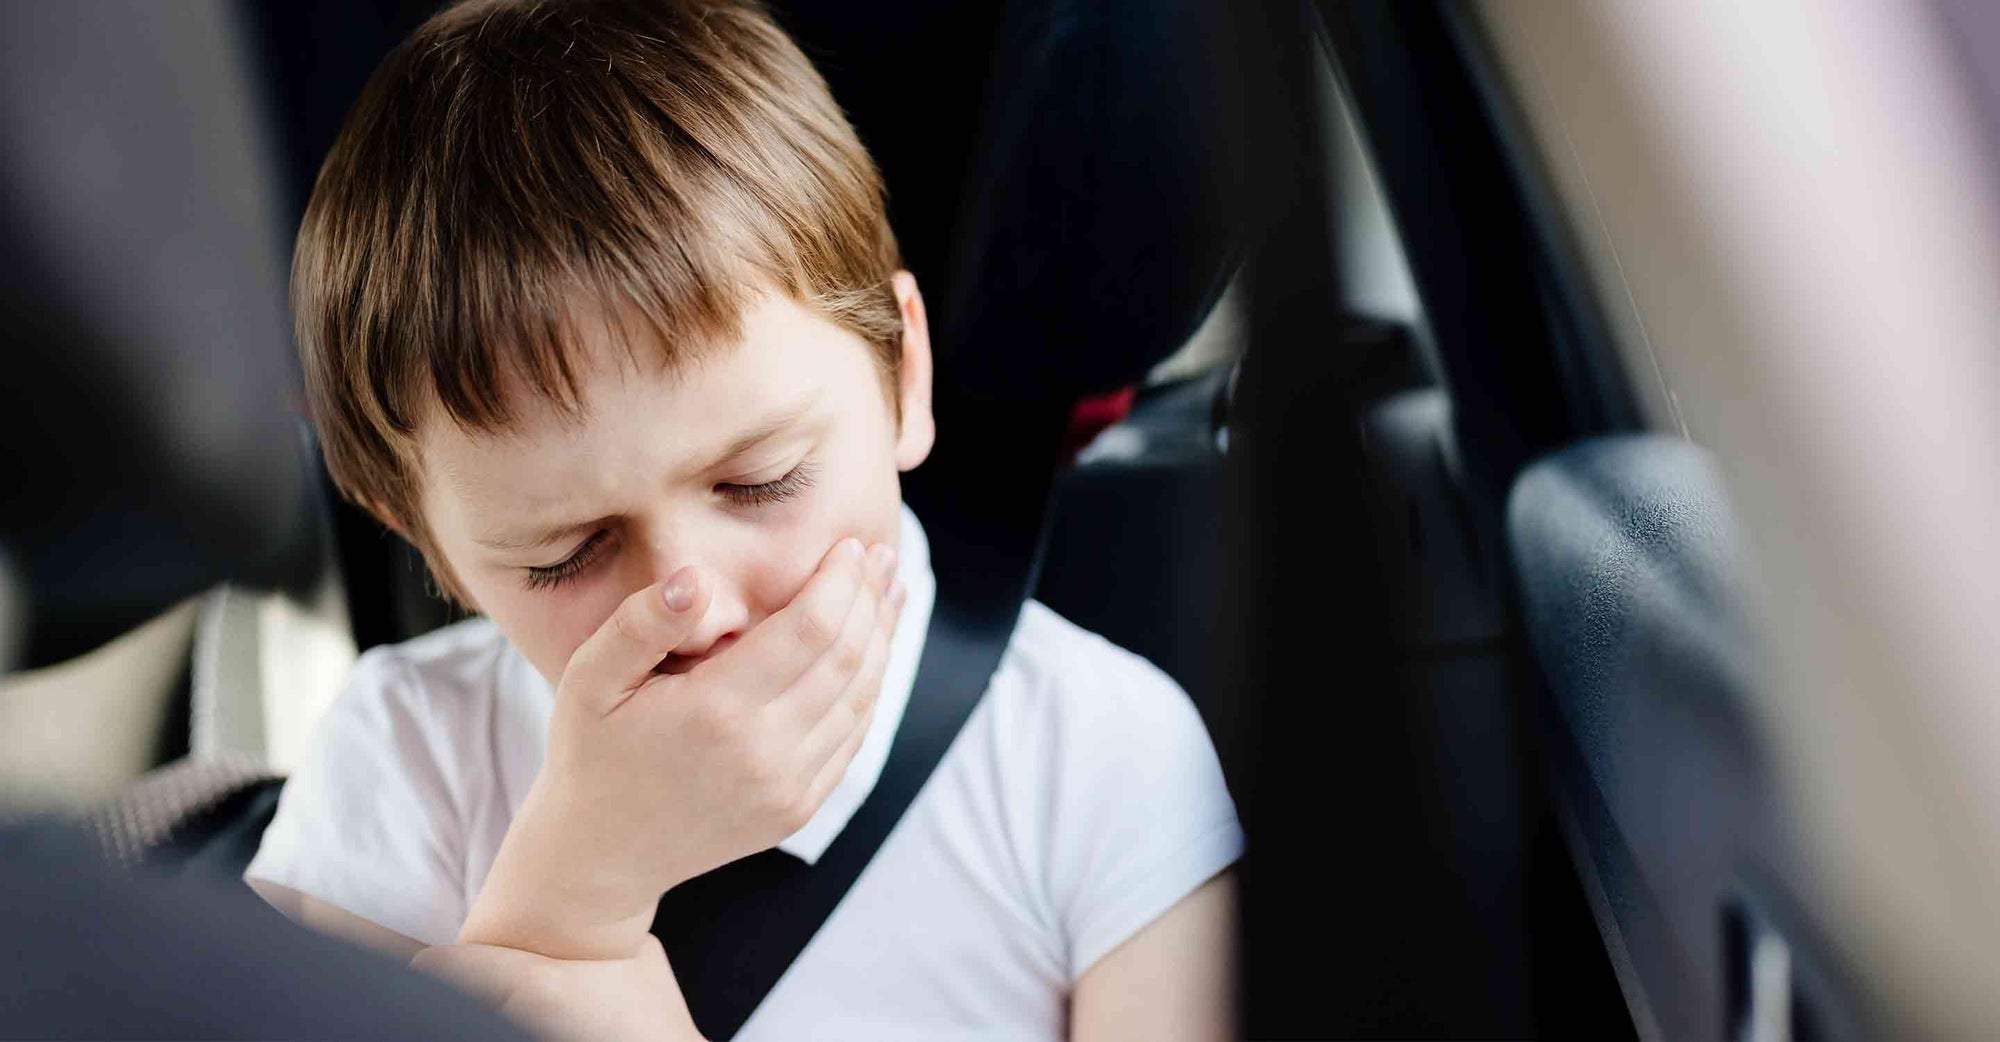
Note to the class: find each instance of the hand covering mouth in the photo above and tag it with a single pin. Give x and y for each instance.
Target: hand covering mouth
(676, 663)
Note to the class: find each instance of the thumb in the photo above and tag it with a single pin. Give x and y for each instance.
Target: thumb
(620, 656)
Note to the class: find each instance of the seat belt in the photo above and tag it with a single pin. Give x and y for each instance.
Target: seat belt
(732, 932)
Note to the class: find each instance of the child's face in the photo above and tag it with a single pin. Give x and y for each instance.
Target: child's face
(750, 463)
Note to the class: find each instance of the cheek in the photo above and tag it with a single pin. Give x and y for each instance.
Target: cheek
(547, 629)
(857, 493)
(774, 577)
(569, 621)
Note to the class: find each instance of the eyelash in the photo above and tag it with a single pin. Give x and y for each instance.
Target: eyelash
(545, 577)
(797, 480)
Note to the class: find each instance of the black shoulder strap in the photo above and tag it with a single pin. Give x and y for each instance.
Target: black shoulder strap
(733, 932)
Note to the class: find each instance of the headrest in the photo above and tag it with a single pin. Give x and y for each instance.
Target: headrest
(150, 445)
(1100, 226)
(1059, 174)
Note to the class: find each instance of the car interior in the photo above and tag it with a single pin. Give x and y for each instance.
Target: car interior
(1550, 444)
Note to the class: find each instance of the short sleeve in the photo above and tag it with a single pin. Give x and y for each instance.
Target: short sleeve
(369, 823)
(1138, 815)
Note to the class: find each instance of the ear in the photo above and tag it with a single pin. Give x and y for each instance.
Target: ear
(917, 430)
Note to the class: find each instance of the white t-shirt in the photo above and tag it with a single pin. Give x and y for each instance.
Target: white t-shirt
(1081, 800)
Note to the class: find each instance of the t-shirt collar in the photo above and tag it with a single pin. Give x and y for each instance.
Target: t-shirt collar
(913, 567)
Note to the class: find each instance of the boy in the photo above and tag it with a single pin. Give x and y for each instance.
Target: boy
(599, 307)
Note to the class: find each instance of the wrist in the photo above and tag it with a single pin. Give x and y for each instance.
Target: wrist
(554, 891)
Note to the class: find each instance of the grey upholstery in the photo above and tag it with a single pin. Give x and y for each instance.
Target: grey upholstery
(150, 448)
(1629, 568)
(152, 445)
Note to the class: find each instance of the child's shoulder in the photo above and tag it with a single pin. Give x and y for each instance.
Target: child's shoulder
(457, 671)
(1059, 656)
(1057, 675)
(378, 815)
(446, 647)
(444, 658)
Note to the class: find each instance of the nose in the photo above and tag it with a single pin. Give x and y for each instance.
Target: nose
(727, 616)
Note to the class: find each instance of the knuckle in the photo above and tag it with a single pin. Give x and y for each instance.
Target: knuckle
(781, 808)
(816, 628)
(849, 656)
(772, 787)
(718, 722)
(797, 811)
(628, 626)
(763, 774)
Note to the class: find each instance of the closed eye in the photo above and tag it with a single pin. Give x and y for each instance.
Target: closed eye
(543, 577)
(797, 480)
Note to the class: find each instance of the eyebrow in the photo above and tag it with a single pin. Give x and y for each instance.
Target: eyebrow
(736, 450)
(536, 541)
(760, 434)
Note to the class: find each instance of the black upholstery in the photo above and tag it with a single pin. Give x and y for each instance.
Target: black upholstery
(1134, 550)
(1097, 224)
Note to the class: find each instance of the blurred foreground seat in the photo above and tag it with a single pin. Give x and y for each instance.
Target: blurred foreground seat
(151, 452)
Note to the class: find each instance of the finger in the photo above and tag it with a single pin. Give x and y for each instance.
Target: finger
(620, 656)
(853, 705)
(882, 641)
(835, 767)
(866, 688)
(821, 685)
(899, 595)
(777, 651)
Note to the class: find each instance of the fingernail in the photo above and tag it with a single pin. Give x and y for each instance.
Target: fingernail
(679, 593)
(881, 559)
(849, 547)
